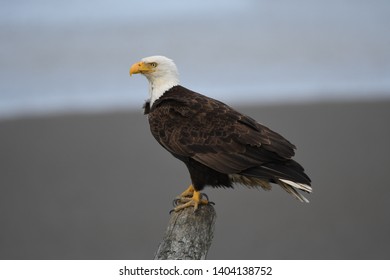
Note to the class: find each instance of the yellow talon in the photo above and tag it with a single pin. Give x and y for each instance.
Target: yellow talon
(193, 201)
(188, 192)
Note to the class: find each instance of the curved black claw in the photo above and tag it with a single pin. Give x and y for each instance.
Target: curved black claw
(175, 202)
(207, 197)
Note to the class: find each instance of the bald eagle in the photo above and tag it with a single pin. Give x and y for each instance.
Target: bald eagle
(219, 145)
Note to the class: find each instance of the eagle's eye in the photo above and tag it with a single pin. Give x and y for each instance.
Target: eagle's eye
(153, 64)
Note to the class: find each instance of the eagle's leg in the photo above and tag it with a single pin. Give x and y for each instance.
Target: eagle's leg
(187, 193)
(194, 201)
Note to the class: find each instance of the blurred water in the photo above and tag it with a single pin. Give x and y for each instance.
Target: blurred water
(60, 56)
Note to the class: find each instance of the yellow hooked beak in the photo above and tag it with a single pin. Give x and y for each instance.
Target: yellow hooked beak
(141, 67)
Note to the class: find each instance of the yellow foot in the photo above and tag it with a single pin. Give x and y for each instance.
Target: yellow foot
(187, 193)
(187, 201)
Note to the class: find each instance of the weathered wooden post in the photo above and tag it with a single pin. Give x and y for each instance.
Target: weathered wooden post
(189, 234)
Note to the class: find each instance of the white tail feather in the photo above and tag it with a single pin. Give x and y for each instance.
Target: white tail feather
(291, 187)
(300, 186)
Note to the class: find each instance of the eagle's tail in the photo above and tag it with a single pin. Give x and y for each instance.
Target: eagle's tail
(292, 187)
(289, 175)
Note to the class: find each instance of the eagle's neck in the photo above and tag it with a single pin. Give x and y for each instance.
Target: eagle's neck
(159, 85)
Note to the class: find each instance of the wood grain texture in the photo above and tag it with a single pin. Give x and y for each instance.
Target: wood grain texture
(189, 234)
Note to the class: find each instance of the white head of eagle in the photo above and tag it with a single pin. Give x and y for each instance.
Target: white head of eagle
(161, 73)
(219, 145)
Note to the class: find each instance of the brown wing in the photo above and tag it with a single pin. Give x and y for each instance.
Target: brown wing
(192, 125)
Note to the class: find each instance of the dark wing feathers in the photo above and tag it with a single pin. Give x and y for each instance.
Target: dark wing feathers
(290, 170)
(213, 133)
(273, 141)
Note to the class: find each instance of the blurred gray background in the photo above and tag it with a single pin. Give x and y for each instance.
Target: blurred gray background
(82, 178)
